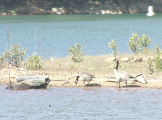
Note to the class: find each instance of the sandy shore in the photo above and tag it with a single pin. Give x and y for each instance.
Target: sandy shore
(55, 82)
(153, 84)
(57, 78)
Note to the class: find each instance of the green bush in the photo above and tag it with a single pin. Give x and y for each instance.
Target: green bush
(2, 62)
(140, 44)
(112, 45)
(158, 62)
(157, 49)
(150, 67)
(33, 62)
(75, 53)
(13, 55)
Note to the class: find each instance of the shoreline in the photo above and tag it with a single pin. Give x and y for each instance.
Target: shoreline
(48, 7)
(151, 84)
(58, 70)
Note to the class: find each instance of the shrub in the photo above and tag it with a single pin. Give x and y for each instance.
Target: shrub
(33, 62)
(1, 62)
(150, 67)
(140, 44)
(14, 56)
(112, 45)
(158, 62)
(157, 49)
(75, 53)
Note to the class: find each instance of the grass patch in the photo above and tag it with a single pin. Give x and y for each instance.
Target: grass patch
(98, 66)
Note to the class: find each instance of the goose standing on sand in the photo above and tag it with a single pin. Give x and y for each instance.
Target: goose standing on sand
(84, 77)
(121, 75)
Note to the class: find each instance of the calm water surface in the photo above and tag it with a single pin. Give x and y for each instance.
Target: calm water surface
(55, 33)
(74, 103)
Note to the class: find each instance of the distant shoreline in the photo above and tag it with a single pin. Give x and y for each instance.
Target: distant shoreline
(48, 7)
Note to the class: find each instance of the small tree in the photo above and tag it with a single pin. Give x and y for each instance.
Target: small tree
(1, 62)
(14, 56)
(112, 45)
(33, 62)
(140, 44)
(144, 43)
(158, 62)
(75, 53)
(157, 49)
(150, 67)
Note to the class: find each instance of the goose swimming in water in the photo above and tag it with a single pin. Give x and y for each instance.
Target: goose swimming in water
(84, 77)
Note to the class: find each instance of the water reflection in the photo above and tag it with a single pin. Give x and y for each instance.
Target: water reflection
(75, 103)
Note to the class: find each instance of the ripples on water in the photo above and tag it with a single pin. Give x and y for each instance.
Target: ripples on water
(55, 33)
(75, 103)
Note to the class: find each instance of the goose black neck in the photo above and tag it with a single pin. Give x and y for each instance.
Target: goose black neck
(117, 64)
(76, 81)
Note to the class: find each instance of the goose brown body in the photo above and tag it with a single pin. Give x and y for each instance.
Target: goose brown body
(84, 77)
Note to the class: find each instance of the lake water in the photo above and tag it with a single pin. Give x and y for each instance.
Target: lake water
(81, 104)
(52, 35)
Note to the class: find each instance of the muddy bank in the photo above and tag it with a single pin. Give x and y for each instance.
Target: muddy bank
(48, 7)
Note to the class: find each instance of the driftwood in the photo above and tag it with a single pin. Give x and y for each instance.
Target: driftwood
(30, 82)
(68, 79)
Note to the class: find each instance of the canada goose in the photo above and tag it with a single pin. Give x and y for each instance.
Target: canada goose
(84, 77)
(120, 75)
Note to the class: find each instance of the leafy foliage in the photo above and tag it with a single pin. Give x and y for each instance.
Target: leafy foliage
(140, 44)
(75, 53)
(158, 62)
(14, 56)
(33, 62)
(157, 49)
(150, 67)
(112, 45)
(1, 62)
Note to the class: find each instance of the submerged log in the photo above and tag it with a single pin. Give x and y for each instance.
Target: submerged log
(29, 82)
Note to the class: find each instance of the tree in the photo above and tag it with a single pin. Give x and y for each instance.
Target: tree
(75, 53)
(14, 56)
(140, 44)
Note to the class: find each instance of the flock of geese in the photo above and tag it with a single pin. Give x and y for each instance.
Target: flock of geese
(119, 75)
